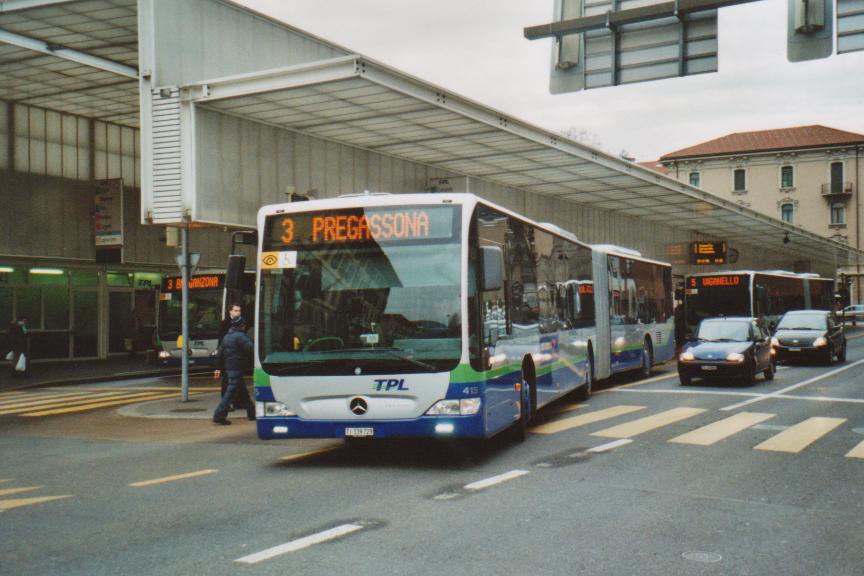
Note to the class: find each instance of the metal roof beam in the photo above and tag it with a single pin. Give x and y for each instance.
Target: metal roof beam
(67, 54)
(15, 5)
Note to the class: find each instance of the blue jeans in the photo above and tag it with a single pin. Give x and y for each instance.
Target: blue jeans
(235, 385)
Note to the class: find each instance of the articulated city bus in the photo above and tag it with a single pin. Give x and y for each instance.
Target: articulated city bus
(766, 295)
(208, 301)
(440, 316)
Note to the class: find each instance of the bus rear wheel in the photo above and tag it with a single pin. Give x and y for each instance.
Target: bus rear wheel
(647, 359)
(584, 392)
(519, 432)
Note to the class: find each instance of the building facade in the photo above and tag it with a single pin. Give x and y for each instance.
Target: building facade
(807, 176)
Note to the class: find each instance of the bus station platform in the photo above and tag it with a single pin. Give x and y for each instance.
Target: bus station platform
(83, 372)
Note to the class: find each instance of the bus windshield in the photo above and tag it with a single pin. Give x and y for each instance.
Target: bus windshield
(376, 306)
(204, 314)
(713, 301)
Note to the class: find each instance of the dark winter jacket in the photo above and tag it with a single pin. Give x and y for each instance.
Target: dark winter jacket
(18, 338)
(235, 351)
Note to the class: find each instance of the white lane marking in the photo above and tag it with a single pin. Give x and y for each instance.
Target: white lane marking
(300, 543)
(790, 388)
(481, 484)
(688, 392)
(659, 378)
(609, 446)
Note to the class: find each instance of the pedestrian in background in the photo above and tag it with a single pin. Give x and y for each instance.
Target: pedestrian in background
(19, 345)
(234, 357)
(234, 311)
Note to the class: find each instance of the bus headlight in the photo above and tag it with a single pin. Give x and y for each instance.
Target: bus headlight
(820, 341)
(687, 356)
(164, 355)
(463, 407)
(735, 357)
(264, 409)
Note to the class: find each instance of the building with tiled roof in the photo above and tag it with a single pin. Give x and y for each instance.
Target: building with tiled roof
(809, 176)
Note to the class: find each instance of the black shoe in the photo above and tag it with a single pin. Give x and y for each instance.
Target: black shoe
(221, 421)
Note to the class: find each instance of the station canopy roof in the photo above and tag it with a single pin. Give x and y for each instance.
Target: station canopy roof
(81, 57)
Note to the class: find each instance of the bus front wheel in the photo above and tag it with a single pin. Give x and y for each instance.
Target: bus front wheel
(520, 428)
(647, 359)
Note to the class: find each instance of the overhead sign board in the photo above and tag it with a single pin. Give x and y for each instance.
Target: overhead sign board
(108, 214)
(706, 253)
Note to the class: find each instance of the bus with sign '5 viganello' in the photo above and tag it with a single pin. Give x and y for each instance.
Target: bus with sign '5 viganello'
(765, 295)
(419, 315)
(208, 302)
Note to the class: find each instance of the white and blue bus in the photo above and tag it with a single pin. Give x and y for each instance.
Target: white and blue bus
(208, 303)
(439, 315)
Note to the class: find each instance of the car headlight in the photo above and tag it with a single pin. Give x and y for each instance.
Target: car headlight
(164, 354)
(687, 356)
(735, 357)
(820, 341)
(461, 407)
(775, 341)
(264, 409)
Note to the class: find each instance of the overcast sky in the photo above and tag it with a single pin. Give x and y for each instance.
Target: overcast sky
(476, 48)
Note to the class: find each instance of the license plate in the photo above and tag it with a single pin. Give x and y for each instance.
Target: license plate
(359, 432)
(709, 368)
(794, 349)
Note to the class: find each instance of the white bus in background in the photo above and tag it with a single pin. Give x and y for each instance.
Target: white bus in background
(441, 315)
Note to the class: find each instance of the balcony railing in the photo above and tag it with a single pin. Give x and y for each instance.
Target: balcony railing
(835, 190)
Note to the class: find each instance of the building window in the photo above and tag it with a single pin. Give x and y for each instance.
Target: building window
(836, 177)
(787, 213)
(787, 177)
(740, 180)
(694, 179)
(838, 213)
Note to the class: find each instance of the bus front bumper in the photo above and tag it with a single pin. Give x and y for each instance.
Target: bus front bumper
(271, 428)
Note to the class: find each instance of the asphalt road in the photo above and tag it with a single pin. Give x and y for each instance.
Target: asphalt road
(703, 480)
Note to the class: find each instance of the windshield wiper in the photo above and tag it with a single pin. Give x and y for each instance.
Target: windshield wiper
(396, 353)
(799, 328)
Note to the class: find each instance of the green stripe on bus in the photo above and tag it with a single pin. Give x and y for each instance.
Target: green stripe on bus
(261, 378)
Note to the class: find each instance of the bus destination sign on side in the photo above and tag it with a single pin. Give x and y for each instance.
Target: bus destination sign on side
(706, 253)
(362, 226)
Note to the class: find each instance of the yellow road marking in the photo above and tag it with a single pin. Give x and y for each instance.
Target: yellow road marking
(800, 436)
(583, 419)
(857, 452)
(173, 478)
(5, 480)
(293, 457)
(35, 394)
(47, 401)
(642, 425)
(17, 503)
(569, 408)
(10, 491)
(84, 408)
(38, 406)
(712, 433)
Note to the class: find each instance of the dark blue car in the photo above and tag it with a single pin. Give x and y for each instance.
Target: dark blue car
(727, 349)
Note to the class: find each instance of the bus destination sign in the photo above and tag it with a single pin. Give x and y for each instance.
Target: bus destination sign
(197, 282)
(707, 253)
(719, 281)
(362, 225)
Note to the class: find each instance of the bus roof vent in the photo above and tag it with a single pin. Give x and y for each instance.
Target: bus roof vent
(808, 275)
(364, 193)
(618, 249)
(560, 230)
(779, 272)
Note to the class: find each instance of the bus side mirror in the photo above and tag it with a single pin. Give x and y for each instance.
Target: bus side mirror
(492, 268)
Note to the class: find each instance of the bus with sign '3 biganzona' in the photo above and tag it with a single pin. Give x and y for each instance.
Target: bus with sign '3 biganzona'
(439, 315)
(208, 302)
(765, 295)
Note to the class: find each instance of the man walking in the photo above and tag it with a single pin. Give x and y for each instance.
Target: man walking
(234, 311)
(19, 344)
(234, 355)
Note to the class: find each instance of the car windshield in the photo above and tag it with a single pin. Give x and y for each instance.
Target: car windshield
(803, 322)
(722, 331)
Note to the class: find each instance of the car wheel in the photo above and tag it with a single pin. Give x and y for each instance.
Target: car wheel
(685, 379)
(749, 377)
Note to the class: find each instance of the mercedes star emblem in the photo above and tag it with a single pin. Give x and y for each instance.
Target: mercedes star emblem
(358, 406)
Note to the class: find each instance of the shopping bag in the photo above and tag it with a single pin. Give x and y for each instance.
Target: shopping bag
(10, 355)
(21, 366)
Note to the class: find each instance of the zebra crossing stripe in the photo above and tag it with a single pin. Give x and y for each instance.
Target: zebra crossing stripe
(722, 429)
(17, 503)
(51, 401)
(74, 409)
(583, 419)
(642, 425)
(800, 436)
(857, 452)
(10, 491)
